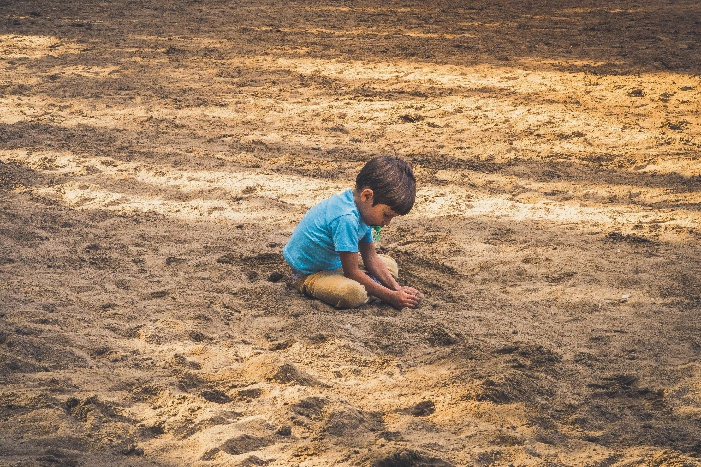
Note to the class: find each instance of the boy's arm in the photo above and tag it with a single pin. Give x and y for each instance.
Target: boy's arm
(400, 298)
(375, 266)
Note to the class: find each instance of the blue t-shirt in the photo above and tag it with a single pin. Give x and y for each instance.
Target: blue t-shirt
(331, 226)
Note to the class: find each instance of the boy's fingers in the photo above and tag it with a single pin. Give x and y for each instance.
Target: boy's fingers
(418, 295)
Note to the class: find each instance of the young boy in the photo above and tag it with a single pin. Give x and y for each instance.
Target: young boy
(323, 250)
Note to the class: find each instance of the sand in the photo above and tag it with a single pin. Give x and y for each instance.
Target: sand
(155, 157)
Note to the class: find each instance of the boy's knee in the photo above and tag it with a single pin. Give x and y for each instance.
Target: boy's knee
(391, 264)
(333, 288)
(351, 295)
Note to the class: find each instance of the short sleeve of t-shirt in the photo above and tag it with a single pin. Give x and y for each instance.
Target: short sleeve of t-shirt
(367, 238)
(344, 230)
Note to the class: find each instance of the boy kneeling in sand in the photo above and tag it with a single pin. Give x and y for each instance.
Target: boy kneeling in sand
(323, 250)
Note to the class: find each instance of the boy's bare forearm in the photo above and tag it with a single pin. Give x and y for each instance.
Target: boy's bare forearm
(399, 298)
(378, 269)
(380, 291)
(375, 266)
(352, 271)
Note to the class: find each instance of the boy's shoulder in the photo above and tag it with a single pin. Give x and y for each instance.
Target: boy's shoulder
(340, 204)
(338, 207)
(344, 200)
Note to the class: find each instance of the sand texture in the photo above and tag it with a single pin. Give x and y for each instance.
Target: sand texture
(156, 155)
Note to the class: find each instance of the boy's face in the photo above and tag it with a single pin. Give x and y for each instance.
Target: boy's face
(379, 214)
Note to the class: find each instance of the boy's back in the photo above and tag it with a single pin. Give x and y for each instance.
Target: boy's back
(331, 226)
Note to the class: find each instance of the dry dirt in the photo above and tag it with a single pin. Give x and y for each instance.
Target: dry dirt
(156, 155)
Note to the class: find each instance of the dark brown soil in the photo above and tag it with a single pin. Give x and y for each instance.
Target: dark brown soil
(155, 157)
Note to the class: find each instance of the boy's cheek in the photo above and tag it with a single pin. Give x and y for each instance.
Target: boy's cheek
(369, 220)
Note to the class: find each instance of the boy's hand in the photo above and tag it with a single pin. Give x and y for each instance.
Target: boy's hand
(406, 297)
(412, 291)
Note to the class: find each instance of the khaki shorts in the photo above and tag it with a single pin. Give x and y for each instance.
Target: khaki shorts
(335, 289)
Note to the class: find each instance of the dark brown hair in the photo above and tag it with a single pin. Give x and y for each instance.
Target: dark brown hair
(391, 181)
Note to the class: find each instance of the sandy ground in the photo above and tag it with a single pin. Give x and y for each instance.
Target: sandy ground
(156, 155)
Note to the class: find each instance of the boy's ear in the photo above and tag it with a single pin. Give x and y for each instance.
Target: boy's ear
(367, 195)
